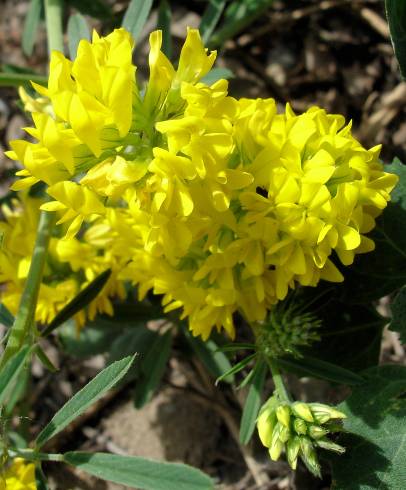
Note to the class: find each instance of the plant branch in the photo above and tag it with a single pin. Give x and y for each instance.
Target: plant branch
(31, 455)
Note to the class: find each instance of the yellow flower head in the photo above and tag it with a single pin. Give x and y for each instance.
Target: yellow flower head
(219, 205)
(245, 204)
(20, 475)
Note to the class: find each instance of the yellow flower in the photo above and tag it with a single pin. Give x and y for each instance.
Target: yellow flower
(70, 266)
(95, 90)
(113, 176)
(220, 205)
(163, 89)
(31, 104)
(262, 199)
(85, 111)
(79, 202)
(194, 63)
(20, 475)
(160, 78)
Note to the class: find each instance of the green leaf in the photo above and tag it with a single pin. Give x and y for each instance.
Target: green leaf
(139, 472)
(84, 298)
(237, 346)
(398, 307)
(137, 311)
(236, 368)
(399, 192)
(246, 380)
(350, 334)
(40, 479)
(216, 363)
(396, 13)
(77, 30)
(44, 359)
(376, 446)
(210, 18)
(164, 23)
(94, 8)
(31, 26)
(136, 339)
(88, 395)
(11, 370)
(6, 318)
(17, 440)
(239, 15)
(9, 79)
(152, 369)
(310, 366)
(22, 70)
(136, 16)
(253, 402)
(18, 390)
(378, 273)
(95, 338)
(216, 74)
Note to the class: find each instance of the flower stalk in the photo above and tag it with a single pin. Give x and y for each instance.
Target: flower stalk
(280, 386)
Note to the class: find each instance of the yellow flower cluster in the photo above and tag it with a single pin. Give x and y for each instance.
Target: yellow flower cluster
(218, 204)
(71, 263)
(18, 476)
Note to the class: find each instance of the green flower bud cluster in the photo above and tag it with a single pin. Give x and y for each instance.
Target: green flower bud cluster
(298, 429)
(286, 328)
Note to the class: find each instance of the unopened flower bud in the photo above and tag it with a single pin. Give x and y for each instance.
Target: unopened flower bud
(292, 451)
(283, 414)
(279, 433)
(317, 432)
(300, 426)
(302, 410)
(330, 446)
(266, 421)
(284, 433)
(276, 449)
(265, 424)
(286, 329)
(323, 413)
(309, 456)
(334, 426)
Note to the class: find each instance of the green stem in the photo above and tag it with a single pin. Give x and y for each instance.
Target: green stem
(17, 79)
(53, 15)
(280, 387)
(32, 455)
(24, 320)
